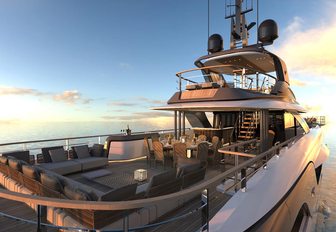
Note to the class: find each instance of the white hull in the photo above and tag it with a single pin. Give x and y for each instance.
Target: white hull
(269, 186)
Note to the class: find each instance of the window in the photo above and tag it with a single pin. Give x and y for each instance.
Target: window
(290, 131)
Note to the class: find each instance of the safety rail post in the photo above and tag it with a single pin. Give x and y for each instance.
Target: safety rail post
(24, 146)
(41, 218)
(67, 147)
(243, 179)
(126, 223)
(205, 210)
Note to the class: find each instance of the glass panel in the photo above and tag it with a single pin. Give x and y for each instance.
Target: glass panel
(301, 125)
(289, 126)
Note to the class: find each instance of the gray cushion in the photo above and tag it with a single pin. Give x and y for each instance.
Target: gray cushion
(63, 168)
(76, 194)
(120, 194)
(161, 178)
(16, 164)
(91, 162)
(20, 155)
(97, 150)
(3, 160)
(51, 182)
(30, 172)
(82, 151)
(45, 153)
(57, 155)
(181, 171)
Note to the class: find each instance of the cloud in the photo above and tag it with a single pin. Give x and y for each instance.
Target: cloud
(125, 66)
(151, 101)
(136, 102)
(139, 116)
(72, 97)
(295, 82)
(310, 51)
(122, 103)
(68, 96)
(6, 90)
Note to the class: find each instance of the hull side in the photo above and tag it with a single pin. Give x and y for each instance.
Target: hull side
(269, 188)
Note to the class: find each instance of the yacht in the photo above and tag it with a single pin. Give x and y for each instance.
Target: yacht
(263, 173)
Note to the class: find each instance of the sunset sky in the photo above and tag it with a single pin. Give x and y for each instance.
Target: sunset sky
(81, 60)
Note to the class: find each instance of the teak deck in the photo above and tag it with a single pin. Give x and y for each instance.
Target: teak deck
(20, 210)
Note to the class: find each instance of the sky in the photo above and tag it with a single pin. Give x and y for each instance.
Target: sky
(114, 60)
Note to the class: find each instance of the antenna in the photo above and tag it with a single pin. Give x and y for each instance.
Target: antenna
(239, 27)
(208, 18)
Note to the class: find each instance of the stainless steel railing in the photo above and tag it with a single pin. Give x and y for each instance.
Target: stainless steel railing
(67, 142)
(260, 160)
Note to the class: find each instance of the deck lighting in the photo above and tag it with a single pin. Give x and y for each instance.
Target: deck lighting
(140, 174)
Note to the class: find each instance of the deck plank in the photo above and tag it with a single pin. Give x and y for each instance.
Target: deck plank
(20, 210)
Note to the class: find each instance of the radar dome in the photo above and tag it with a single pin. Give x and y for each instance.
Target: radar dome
(215, 43)
(268, 32)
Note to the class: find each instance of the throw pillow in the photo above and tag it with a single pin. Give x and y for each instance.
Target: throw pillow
(57, 155)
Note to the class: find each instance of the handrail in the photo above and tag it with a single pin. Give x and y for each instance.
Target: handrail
(80, 137)
(239, 144)
(178, 74)
(133, 204)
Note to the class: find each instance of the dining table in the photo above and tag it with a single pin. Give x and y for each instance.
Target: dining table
(191, 147)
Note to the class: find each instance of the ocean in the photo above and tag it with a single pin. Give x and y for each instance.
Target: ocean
(13, 132)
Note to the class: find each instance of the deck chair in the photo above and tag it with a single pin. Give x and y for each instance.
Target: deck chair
(179, 151)
(202, 152)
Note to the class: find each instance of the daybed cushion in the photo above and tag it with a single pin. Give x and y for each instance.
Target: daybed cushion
(97, 150)
(91, 162)
(45, 153)
(52, 182)
(63, 168)
(123, 193)
(94, 193)
(31, 172)
(57, 155)
(82, 151)
(76, 194)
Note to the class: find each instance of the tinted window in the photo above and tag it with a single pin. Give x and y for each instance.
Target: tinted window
(289, 126)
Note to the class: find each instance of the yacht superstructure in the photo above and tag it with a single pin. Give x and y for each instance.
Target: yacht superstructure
(262, 173)
(246, 90)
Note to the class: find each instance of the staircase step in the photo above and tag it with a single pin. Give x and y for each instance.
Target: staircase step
(245, 137)
(247, 132)
(248, 127)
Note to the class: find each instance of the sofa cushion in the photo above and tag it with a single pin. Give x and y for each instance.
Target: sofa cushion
(16, 164)
(31, 172)
(190, 168)
(161, 178)
(183, 162)
(82, 151)
(20, 155)
(91, 162)
(45, 153)
(57, 155)
(76, 193)
(120, 194)
(3, 160)
(51, 182)
(63, 168)
(97, 150)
